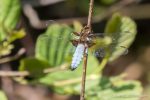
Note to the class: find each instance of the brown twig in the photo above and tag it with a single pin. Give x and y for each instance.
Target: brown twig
(8, 59)
(7, 83)
(74, 80)
(40, 24)
(37, 3)
(90, 15)
(82, 96)
(114, 8)
(26, 73)
(13, 73)
(84, 75)
(37, 23)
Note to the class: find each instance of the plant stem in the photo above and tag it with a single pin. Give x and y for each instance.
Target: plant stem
(82, 96)
(90, 15)
(26, 73)
(84, 75)
(8, 59)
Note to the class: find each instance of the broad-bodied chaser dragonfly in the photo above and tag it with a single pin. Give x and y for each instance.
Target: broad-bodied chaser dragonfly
(79, 44)
(86, 40)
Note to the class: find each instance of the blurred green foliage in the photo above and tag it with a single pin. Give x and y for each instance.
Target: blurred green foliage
(83, 5)
(9, 17)
(119, 33)
(122, 30)
(6, 46)
(52, 47)
(2, 96)
(70, 79)
(107, 2)
(34, 66)
(113, 88)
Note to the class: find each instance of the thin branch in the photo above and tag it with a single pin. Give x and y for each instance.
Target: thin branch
(59, 68)
(8, 59)
(41, 24)
(90, 14)
(37, 23)
(33, 17)
(114, 8)
(37, 3)
(26, 73)
(84, 75)
(74, 80)
(13, 73)
(82, 96)
(7, 83)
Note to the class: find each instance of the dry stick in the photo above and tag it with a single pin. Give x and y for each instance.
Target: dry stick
(84, 75)
(8, 59)
(26, 73)
(82, 96)
(114, 8)
(90, 15)
(40, 24)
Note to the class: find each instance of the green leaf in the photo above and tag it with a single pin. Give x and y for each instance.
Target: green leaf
(2, 96)
(9, 16)
(69, 82)
(34, 66)
(122, 30)
(5, 48)
(54, 45)
(55, 51)
(77, 26)
(100, 42)
(103, 88)
(16, 35)
(97, 87)
(65, 81)
(108, 2)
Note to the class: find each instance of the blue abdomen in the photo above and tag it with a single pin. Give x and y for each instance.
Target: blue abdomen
(77, 57)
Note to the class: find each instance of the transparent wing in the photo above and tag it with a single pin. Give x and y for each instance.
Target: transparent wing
(103, 43)
(58, 48)
(113, 37)
(101, 52)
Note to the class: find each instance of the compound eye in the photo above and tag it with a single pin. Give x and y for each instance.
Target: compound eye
(89, 39)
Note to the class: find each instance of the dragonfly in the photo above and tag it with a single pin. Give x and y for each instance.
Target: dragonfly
(86, 40)
(82, 41)
(82, 44)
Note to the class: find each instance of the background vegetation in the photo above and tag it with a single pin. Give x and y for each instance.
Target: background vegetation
(35, 50)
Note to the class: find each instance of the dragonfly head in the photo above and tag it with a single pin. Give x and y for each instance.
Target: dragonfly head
(89, 42)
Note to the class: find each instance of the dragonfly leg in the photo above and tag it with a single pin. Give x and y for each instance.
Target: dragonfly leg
(74, 42)
(90, 44)
(86, 50)
(84, 28)
(76, 33)
(96, 35)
